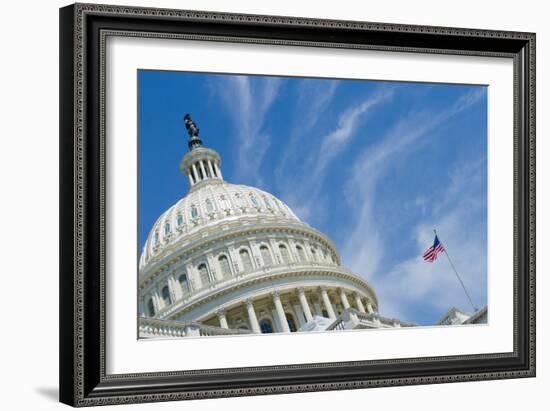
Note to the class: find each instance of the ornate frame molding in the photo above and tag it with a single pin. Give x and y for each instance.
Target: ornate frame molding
(83, 30)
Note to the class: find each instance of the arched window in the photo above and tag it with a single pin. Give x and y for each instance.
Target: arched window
(166, 228)
(284, 254)
(301, 253)
(183, 283)
(266, 255)
(179, 220)
(245, 260)
(224, 265)
(203, 275)
(151, 307)
(266, 327)
(291, 322)
(194, 211)
(254, 200)
(209, 206)
(313, 254)
(325, 313)
(166, 295)
(156, 237)
(268, 203)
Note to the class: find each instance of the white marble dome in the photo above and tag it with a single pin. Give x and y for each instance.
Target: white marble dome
(209, 204)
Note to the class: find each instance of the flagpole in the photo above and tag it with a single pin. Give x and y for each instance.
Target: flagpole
(456, 272)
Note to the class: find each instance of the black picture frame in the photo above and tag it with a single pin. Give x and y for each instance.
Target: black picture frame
(83, 381)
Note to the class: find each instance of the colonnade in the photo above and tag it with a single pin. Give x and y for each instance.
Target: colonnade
(300, 292)
(203, 169)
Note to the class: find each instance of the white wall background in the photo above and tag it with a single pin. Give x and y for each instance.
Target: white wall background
(29, 203)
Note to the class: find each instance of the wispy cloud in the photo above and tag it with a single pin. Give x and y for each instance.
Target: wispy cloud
(248, 100)
(347, 126)
(319, 157)
(364, 249)
(312, 99)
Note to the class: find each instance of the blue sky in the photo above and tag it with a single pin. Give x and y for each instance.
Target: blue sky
(374, 165)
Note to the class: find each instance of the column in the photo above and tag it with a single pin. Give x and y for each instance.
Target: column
(223, 320)
(304, 304)
(212, 268)
(190, 177)
(209, 164)
(326, 302)
(193, 279)
(344, 299)
(359, 303)
(218, 171)
(201, 165)
(369, 308)
(254, 254)
(300, 316)
(277, 259)
(234, 258)
(252, 317)
(280, 311)
(195, 173)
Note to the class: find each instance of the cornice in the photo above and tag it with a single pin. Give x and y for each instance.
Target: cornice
(212, 294)
(186, 247)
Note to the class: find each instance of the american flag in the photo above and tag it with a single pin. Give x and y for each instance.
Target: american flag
(431, 253)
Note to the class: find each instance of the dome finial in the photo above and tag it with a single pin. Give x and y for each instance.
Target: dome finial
(193, 131)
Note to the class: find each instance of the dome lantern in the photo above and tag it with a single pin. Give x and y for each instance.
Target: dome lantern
(200, 164)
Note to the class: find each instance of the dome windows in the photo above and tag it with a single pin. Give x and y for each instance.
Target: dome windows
(209, 206)
(156, 238)
(266, 255)
(194, 212)
(179, 220)
(203, 274)
(184, 283)
(301, 253)
(268, 203)
(224, 266)
(245, 260)
(254, 200)
(313, 254)
(166, 295)
(284, 254)
(166, 229)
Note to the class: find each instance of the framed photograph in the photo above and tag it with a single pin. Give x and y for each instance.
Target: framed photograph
(262, 204)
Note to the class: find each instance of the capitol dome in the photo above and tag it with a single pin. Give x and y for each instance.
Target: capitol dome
(233, 259)
(212, 204)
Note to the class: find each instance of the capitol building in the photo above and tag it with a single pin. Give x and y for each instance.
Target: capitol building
(232, 259)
